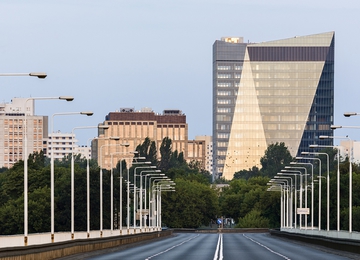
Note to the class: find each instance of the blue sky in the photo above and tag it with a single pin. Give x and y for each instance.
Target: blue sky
(158, 54)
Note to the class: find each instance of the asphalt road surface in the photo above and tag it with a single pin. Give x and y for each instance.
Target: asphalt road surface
(196, 246)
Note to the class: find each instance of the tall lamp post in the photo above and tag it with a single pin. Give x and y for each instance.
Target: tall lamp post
(25, 157)
(350, 174)
(120, 199)
(101, 185)
(312, 190)
(289, 172)
(301, 190)
(319, 176)
(73, 173)
(40, 75)
(141, 195)
(290, 207)
(141, 167)
(88, 181)
(87, 113)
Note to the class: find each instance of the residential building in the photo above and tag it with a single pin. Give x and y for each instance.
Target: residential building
(208, 150)
(62, 143)
(16, 119)
(263, 93)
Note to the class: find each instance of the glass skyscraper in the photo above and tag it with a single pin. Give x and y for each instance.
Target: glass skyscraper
(263, 93)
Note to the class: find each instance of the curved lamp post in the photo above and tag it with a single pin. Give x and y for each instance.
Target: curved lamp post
(87, 113)
(312, 190)
(290, 172)
(25, 157)
(73, 173)
(319, 176)
(350, 172)
(301, 190)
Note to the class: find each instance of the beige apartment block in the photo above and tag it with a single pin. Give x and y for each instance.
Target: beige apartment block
(132, 127)
(16, 118)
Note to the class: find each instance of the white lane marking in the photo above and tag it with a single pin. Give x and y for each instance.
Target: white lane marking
(272, 251)
(219, 248)
(170, 248)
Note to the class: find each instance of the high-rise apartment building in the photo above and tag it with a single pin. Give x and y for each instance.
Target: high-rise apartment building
(13, 117)
(64, 144)
(263, 93)
(134, 126)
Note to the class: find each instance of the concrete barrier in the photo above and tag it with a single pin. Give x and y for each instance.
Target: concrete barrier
(348, 245)
(62, 249)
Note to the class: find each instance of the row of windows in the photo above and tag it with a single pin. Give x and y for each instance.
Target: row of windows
(229, 67)
(228, 84)
(228, 75)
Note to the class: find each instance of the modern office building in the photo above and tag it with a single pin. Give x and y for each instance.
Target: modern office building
(17, 124)
(263, 93)
(133, 127)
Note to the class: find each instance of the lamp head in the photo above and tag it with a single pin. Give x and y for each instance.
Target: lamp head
(348, 114)
(103, 126)
(313, 146)
(335, 126)
(299, 158)
(305, 153)
(116, 138)
(324, 137)
(293, 163)
(40, 75)
(67, 98)
(88, 113)
(125, 144)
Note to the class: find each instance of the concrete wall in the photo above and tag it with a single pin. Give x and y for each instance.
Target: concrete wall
(62, 249)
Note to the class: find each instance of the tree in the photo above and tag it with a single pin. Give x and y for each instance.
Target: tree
(246, 174)
(253, 219)
(193, 204)
(165, 152)
(276, 157)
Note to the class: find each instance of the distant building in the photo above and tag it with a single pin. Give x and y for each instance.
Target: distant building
(62, 143)
(344, 148)
(208, 146)
(12, 131)
(134, 126)
(263, 93)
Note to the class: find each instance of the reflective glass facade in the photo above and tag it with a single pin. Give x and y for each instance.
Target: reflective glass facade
(279, 91)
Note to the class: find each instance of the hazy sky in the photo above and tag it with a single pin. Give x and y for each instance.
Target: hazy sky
(157, 53)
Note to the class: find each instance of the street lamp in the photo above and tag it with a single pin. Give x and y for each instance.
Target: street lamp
(141, 196)
(312, 190)
(87, 113)
(73, 173)
(25, 157)
(289, 172)
(152, 210)
(350, 170)
(88, 178)
(290, 207)
(120, 199)
(40, 75)
(301, 190)
(101, 184)
(319, 176)
(141, 167)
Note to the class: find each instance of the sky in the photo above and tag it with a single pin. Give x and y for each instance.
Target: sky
(114, 54)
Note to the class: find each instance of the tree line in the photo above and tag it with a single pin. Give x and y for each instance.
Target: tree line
(196, 202)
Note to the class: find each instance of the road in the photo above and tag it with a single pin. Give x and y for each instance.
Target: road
(196, 246)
